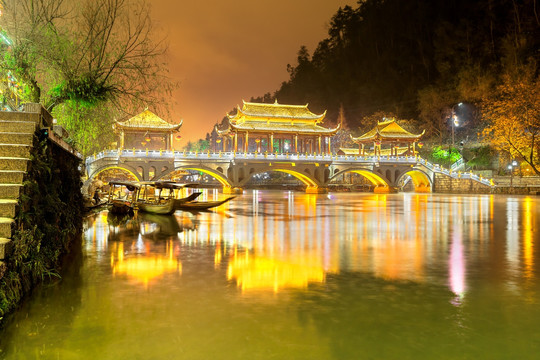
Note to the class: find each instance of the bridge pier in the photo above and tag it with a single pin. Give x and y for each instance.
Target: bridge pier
(316, 190)
(380, 189)
(233, 190)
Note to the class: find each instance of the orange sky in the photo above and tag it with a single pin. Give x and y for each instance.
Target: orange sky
(224, 51)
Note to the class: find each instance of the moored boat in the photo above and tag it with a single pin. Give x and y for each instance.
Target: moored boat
(159, 197)
(165, 207)
(202, 205)
(122, 197)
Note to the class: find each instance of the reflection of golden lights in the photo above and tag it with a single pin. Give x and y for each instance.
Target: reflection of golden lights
(265, 273)
(147, 267)
(528, 237)
(217, 257)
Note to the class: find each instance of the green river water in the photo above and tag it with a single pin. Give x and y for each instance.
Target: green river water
(287, 275)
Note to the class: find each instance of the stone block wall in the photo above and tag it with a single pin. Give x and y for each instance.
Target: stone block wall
(446, 184)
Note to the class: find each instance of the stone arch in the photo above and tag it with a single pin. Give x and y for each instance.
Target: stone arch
(422, 182)
(127, 169)
(376, 178)
(223, 180)
(305, 179)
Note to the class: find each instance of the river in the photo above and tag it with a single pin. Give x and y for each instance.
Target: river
(287, 275)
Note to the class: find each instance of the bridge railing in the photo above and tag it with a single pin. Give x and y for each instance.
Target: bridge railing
(455, 174)
(186, 155)
(115, 154)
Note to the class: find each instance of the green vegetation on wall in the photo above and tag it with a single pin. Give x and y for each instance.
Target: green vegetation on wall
(48, 218)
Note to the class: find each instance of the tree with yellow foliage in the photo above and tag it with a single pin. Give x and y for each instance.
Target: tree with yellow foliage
(513, 112)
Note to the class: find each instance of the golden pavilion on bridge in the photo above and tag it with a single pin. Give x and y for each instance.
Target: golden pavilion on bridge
(397, 140)
(146, 131)
(275, 128)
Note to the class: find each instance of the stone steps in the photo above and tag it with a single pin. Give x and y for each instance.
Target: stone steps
(17, 131)
(7, 207)
(5, 247)
(9, 191)
(26, 127)
(5, 227)
(15, 150)
(13, 163)
(16, 138)
(5, 235)
(11, 176)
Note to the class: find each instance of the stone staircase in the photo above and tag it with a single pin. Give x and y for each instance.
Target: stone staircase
(17, 131)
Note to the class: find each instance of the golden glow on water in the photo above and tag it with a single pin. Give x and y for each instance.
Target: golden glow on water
(145, 268)
(259, 273)
(288, 275)
(529, 215)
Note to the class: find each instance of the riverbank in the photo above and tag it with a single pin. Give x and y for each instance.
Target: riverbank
(48, 218)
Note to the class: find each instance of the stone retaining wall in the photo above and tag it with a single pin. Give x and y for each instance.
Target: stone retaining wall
(446, 184)
(44, 216)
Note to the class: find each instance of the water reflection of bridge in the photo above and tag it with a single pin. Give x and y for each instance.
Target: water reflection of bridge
(234, 170)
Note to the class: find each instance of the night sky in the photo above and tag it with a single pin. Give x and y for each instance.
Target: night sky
(224, 51)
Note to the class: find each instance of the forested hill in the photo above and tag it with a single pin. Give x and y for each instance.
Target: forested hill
(413, 58)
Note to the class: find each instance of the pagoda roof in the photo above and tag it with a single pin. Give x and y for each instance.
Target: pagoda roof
(250, 111)
(387, 130)
(276, 118)
(146, 121)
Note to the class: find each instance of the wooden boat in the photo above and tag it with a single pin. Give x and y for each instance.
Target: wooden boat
(163, 207)
(190, 198)
(202, 205)
(159, 197)
(122, 197)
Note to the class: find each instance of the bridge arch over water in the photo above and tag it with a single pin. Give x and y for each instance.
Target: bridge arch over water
(127, 169)
(216, 173)
(234, 170)
(421, 180)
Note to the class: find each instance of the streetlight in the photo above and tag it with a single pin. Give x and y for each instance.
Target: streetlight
(455, 121)
(511, 168)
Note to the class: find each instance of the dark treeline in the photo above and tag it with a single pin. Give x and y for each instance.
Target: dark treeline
(414, 59)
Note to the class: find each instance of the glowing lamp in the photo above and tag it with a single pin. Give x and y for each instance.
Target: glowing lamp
(420, 144)
(143, 143)
(218, 140)
(178, 137)
(257, 140)
(147, 138)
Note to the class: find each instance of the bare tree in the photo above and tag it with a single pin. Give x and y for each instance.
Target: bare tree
(85, 50)
(85, 60)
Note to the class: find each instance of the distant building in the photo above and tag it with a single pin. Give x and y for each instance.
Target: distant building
(260, 127)
(146, 131)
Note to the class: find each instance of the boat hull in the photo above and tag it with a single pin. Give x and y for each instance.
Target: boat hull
(201, 205)
(165, 208)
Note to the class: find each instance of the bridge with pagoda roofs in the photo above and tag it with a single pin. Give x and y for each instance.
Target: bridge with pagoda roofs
(234, 170)
(262, 138)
